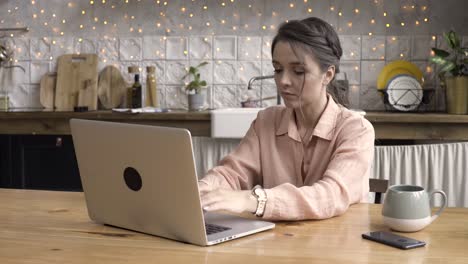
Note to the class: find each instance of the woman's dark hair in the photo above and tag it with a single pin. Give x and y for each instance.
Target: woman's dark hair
(320, 39)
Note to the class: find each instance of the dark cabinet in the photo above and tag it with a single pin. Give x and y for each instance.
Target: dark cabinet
(39, 162)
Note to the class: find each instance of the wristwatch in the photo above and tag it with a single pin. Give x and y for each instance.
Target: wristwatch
(259, 193)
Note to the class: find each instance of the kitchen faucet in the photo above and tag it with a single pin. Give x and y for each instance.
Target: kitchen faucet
(256, 78)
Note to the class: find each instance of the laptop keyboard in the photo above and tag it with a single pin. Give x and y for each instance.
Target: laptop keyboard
(211, 229)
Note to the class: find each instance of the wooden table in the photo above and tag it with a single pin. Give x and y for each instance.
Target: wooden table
(53, 227)
(407, 126)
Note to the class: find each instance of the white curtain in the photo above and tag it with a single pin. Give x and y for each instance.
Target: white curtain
(432, 166)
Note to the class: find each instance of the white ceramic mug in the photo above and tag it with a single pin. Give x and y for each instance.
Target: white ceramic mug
(407, 208)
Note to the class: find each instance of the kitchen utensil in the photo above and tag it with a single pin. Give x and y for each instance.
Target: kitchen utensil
(47, 90)
(77, 78)
(395, 68)
(404, 93)
(111, 87)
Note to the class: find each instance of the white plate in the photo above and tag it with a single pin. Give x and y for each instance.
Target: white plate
(404, 93)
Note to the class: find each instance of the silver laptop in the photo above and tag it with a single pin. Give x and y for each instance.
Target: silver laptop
(144, 178)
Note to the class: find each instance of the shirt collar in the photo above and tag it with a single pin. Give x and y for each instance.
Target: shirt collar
(324, 128)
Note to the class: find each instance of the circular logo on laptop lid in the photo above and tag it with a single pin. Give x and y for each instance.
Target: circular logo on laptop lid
(132, 179)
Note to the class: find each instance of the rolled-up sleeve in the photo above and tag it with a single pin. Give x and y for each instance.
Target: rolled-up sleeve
(241, 169)
(343, 183)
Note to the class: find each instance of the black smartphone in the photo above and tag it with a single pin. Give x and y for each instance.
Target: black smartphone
(393, 240)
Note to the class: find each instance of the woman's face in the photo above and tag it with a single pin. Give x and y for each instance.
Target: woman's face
(291, 72)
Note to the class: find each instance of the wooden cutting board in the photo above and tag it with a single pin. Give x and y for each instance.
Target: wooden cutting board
(111, 87)
(47, 90)
(76, 82)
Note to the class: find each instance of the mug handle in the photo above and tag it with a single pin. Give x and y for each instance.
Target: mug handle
(443, 205)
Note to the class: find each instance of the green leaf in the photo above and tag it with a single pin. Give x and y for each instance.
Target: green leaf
(448, 66)
(465, 51)
(192, 70)
(203, 83)
(438, 60)
(202, 64)
(440, 52)
(454, 39)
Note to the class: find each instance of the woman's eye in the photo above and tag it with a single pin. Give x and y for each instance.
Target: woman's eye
(299, 72)
(277, 70)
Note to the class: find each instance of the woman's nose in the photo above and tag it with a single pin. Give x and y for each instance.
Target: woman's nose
(284, 79)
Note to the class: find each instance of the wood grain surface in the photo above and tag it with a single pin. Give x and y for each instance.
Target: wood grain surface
(76, 82)
(53, 227)
(47, 90)
(111, 87)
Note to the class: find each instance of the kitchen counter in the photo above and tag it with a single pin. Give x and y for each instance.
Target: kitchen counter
(57, 123)
(388, 125)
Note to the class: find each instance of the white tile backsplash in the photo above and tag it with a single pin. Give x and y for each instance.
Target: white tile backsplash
(248, 69)
(201, 47)
(370, 71)
(41, 48)
(422, 47)
(20, 48)
(267, 70)
(371, 99)
(266, 47)
(175, 70)
(61, 45)
(34, 96)
(130, 49)
(226, 96)
(108, 49)
(351, 46)
(19, 96)
(85, 45)
(373, 48)
(225, 47)
(350, 70)
(225, 72)
(243, 58)
(176, 48)
(154, 47)
(250, 48)
(398, 48)
(38, 69)
(176, 97)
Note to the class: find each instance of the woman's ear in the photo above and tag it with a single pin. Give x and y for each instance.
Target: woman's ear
(329, 74)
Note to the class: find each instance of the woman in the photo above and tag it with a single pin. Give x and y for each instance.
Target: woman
(308, 160)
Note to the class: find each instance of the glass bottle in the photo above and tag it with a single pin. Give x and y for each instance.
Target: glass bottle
(151, 96)
(136, 92)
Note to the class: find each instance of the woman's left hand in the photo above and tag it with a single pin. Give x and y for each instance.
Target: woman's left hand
(229, 200)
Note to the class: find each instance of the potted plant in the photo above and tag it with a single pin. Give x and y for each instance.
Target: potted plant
(194, 88)
(453, 73)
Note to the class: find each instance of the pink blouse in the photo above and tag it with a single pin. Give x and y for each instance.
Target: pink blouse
(317, 179)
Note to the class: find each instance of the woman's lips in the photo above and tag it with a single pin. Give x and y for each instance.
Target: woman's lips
(288, 95)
